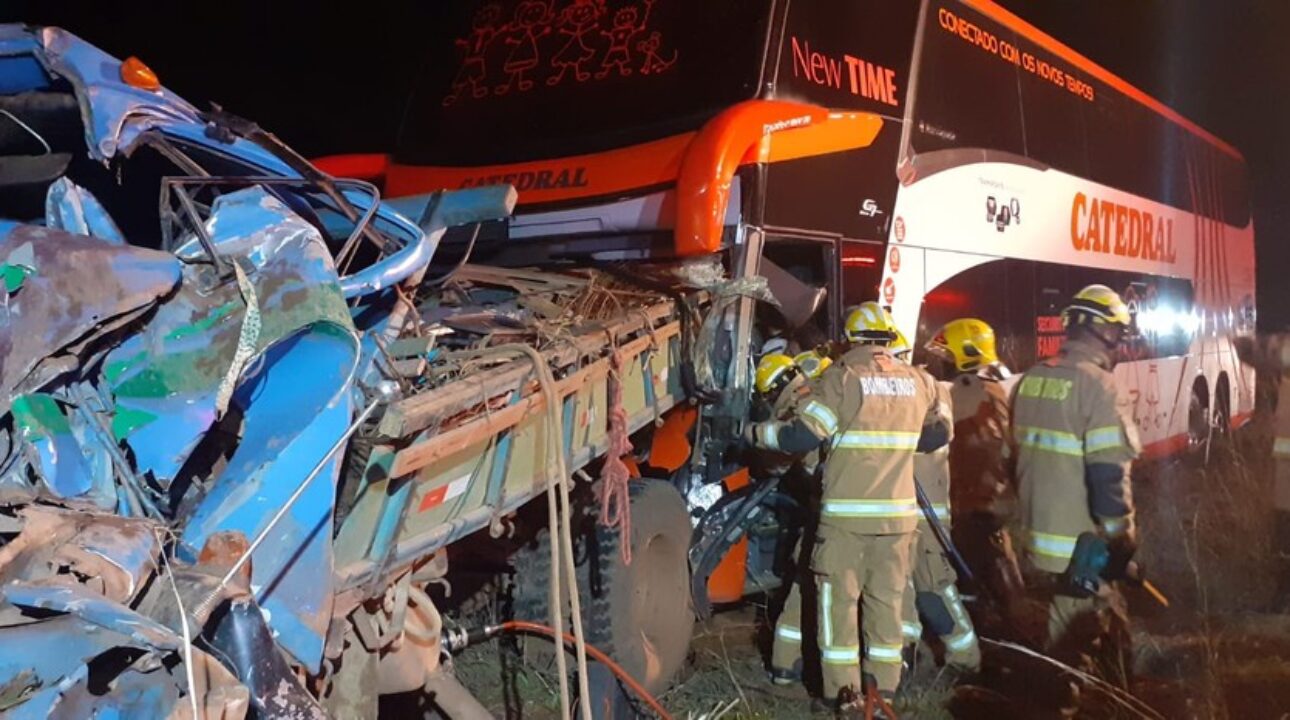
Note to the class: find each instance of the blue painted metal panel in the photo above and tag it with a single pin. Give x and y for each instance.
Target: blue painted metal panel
(396, 504)
(296, 408)
(21, 73)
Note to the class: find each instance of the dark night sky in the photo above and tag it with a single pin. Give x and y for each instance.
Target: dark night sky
(330, 76)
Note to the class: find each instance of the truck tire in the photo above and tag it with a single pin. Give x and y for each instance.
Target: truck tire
(640, 613)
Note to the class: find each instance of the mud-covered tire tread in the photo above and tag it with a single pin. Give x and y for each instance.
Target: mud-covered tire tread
(601, 622)
(529, 595)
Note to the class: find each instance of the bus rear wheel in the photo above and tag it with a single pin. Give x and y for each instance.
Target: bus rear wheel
(1221, 418)
(1198, 429)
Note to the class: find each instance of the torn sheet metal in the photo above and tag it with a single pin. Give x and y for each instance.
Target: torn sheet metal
(294, 396)
(70, 207)
(173, 369)
(74, 284)
(88, 605)
(296, 417)
(112, 555)
(29, 681)
(96, 630)
(116, 113)
(148, 688)
(114, 361)
(54, 451)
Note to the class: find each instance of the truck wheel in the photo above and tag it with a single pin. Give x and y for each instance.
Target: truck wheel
(639, 613)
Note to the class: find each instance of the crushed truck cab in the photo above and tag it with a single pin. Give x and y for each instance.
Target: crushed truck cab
(250, 413)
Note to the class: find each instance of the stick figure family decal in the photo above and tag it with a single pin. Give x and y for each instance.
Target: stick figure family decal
(585, 40)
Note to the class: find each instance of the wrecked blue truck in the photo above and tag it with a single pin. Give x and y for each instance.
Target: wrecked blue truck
(248, 417)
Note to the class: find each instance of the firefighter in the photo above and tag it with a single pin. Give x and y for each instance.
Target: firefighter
(982, 497)
(932, 594)
(874, 412)
(1075, 444)
(781, 381)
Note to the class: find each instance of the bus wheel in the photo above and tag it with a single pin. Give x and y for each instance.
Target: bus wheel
(1222, 415)
(1198, 417)
(638, 613)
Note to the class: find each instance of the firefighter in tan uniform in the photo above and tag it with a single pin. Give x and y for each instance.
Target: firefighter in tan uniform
(1074, 445)
(932, 596)
(875, 413)
(782, 381)
(982, 496)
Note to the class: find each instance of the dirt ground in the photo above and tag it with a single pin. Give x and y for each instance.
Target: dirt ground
(1217, 652)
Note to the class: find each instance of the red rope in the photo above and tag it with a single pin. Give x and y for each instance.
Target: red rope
(615, 497)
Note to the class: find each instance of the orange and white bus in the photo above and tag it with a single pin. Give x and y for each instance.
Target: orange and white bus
(1027, 171)
(944, 157)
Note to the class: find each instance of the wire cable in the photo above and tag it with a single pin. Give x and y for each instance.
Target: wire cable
(29, 129)
(1121, 697)
(521, 626)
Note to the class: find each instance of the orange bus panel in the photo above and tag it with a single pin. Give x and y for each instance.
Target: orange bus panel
(726, 585)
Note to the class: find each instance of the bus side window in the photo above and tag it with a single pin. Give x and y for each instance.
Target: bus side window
(967, 99)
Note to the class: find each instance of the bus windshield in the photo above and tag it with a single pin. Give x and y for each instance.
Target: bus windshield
(509, 81)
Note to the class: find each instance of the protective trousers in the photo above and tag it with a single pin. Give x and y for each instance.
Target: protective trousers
(935, 600)
(869, 572)
(786, 649)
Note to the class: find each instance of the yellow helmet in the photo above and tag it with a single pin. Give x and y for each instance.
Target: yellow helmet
(1097, 305)
(812, 363)
(773, 372)
(900, 347)
(870, 323)
(966, 342)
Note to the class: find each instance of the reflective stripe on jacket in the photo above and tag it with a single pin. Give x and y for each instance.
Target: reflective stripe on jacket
(1066, 415)
(871, 409)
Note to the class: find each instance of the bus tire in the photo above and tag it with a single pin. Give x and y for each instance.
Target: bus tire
(638, 613)
(1198, 418)
(1222, 415)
